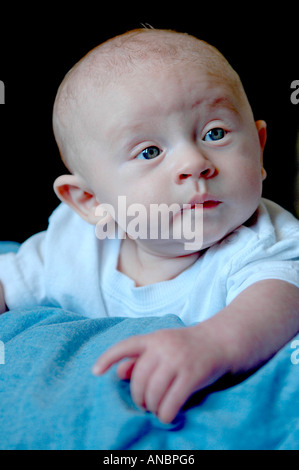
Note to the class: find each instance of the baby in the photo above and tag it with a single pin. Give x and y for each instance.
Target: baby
(161, 117)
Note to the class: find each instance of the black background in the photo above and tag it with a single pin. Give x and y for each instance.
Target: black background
(39, 44)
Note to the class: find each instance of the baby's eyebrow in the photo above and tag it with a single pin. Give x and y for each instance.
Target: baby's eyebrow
(215, 103)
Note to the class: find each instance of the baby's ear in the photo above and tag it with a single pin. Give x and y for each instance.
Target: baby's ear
(261, 127)
(262, 133)
(72, 190)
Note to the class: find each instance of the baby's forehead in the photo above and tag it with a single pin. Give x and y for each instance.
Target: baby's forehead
(112, 62)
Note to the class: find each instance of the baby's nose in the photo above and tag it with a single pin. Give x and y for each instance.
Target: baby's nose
(193, 163)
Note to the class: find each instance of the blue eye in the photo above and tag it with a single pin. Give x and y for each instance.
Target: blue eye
(214, 134)
(149, 153)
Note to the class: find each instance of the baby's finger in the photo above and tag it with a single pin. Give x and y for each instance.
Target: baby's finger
(174, 399)
(140, 377)
(131, 347)
(158, 385)
(124, 370)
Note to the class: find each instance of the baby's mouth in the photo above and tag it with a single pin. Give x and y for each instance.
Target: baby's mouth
(205, 201)
(211, 204)
(198, 203)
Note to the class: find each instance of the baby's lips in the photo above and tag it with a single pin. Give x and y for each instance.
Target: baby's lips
(211, 204)
(203, 199)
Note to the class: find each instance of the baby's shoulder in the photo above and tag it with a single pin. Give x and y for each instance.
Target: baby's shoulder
(277, 219)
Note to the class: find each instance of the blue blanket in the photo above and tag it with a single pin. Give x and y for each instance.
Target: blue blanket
(49, 398)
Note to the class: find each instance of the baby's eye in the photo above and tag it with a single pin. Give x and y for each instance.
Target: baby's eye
(214, 134)
(149, 153)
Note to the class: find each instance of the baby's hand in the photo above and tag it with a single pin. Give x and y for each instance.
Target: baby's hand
(166, 367)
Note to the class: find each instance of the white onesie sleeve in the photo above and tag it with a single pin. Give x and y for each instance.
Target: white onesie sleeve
(22, 274)
(273, 252)
(58, 267)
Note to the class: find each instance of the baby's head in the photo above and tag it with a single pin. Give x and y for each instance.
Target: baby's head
(159, 117)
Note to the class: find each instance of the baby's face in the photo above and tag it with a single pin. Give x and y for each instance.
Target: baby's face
(176, 135)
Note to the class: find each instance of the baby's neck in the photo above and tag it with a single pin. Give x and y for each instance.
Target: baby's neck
(146, 268)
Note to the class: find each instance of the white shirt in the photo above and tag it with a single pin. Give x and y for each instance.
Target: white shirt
(67, 266)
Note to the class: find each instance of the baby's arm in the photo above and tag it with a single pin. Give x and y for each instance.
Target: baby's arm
(167, 366)
(3, 307)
